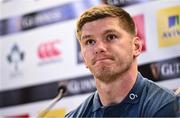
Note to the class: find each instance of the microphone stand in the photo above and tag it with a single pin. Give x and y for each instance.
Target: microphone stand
(55, 100)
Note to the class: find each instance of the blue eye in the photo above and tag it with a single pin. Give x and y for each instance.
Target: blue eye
(90, 42)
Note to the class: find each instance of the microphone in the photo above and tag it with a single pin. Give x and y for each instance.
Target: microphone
(62, 88)
(61, 91)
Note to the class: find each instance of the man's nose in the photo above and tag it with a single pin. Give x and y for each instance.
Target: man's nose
(100, 47)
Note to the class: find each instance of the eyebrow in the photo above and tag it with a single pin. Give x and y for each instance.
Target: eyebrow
(105, 32)
(109, 31)
(85, 37)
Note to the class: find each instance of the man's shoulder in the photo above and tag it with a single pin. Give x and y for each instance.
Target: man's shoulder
(157, 97)
(155, 90)
(83, 108)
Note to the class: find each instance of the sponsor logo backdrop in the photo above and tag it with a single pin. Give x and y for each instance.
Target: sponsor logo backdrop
(39, 52)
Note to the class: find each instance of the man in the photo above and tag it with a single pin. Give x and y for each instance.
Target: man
(110, 47)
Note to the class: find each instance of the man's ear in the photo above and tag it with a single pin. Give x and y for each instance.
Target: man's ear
(137, 46)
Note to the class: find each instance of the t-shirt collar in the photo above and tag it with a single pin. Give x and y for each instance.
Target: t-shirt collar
(132, 97)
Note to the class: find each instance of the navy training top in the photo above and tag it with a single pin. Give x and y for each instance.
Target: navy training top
(145, 99)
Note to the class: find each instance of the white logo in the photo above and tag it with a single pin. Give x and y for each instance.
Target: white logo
(132, 96)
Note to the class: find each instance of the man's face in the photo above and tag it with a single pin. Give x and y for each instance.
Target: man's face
(107, 49)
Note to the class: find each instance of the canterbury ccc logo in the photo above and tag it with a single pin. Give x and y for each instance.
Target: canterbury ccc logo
(49, 49)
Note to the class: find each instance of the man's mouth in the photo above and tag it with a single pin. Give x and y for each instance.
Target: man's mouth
(101, 60)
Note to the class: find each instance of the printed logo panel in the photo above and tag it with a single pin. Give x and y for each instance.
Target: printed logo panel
(168, 22)
(123, 3)
(161, 70)
(55, 113)
(15, 59)
(74, 86)
(49, 52)
(44, 17)
(79, 55)
(79, 85)
(18, 116)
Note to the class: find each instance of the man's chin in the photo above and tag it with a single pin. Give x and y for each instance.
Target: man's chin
(104, 76)
(106, 79)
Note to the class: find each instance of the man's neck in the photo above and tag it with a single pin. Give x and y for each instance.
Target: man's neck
(116, 91)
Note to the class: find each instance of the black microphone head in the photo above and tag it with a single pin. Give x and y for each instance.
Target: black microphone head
(63, 88)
